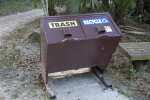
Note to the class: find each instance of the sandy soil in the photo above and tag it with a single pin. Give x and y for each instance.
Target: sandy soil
(10, 22)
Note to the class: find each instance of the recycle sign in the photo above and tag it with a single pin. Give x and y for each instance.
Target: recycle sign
(104, 20)
(95, 21)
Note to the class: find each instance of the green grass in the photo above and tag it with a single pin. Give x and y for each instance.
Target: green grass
(45, 97)
(35, 38)
(11, 6)
(33, 88)
(16, 94)
(7, 58)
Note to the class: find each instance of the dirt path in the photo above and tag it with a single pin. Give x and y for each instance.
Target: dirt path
(10, 22)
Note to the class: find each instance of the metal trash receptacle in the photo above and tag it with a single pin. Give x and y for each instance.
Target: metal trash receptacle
(77, 41)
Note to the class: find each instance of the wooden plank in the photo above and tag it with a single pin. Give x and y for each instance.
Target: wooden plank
(124, 51)
(136, 50)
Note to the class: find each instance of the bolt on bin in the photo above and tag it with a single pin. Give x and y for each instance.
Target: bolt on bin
(77, 41)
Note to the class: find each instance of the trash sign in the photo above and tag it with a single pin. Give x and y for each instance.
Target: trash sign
(62, 24)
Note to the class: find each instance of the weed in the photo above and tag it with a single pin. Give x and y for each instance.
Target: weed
(15, 96)
(7, 90)
(29, 68)
(1, 67)
(45, 97)
(132, 73)
(7, 58)
(33, 88)
(35, 39)
(9, 84)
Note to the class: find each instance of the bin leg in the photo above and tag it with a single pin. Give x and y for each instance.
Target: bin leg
(101, 68)
(98, 73)
(49, 92)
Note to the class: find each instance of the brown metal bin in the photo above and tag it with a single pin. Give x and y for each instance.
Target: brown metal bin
(77, 41)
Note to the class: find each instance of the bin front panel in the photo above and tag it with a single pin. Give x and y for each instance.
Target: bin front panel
(80, 54)
(61, 29)
(97, 26)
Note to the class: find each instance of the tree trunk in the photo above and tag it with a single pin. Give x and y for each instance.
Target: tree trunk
(118, 15)
(139, 7)
(51, 11)
(45, 7)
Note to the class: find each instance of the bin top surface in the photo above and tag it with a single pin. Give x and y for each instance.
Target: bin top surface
(79, 27)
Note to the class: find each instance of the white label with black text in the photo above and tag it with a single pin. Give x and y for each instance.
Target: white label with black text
(108, 28)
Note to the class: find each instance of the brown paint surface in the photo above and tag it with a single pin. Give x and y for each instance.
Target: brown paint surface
(68, 48)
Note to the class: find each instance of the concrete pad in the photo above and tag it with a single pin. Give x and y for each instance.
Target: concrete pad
(80, 85)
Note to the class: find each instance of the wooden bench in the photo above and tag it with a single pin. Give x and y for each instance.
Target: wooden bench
(138, 53)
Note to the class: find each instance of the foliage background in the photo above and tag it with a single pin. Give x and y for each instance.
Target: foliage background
(123, 11)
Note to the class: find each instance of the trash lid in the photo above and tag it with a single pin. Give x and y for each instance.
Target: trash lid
(98, 25)
(61, 29)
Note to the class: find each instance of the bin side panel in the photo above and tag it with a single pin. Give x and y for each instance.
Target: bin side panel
(43, 53)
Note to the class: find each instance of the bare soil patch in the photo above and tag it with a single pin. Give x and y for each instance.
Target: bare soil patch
(19, 66)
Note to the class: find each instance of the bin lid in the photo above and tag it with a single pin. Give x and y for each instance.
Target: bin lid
(99, 25)
(79, 27)
(61, 29)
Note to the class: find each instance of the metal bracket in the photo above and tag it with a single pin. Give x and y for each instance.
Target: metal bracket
(97, 72)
